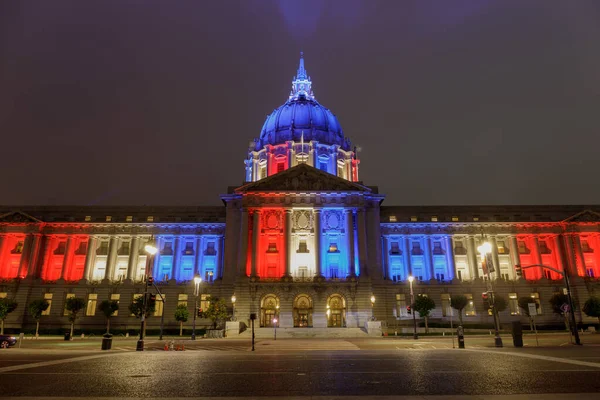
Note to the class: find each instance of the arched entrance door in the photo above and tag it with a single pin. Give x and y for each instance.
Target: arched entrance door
(269, 310)
(336, 311)
(303, 308)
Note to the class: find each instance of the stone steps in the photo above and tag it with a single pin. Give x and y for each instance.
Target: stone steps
(268, 333)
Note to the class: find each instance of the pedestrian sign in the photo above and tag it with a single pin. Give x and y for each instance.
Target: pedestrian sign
(564, 308)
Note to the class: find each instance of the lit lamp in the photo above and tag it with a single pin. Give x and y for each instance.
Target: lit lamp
(412, 306)
(150, 250)
(488, 266)
(233, 299)
(372, 308)
(274, 328)
(197, 281)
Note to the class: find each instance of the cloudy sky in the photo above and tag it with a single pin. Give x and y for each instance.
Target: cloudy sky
(154, 102)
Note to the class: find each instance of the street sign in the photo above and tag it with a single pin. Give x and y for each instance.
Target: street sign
(532, 309)
(564, 308)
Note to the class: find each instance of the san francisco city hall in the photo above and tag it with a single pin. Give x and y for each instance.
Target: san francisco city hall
(302, 240)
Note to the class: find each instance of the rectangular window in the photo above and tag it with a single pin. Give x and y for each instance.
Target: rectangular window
(129, 218)
(263, 172)
(513, 304)
(102, 249)
(182, 299)
(115, 297)
(413, 219)
(333, 248)
(544, 247)
(501, 247)
(124, 250)
(209, 275)
(437, 248)
(48, 298)
(401, 310)
(522, 248)
(395, 248)
(585, 247)
(459, 248)
(67, 297)
(91, 304)
(150, 218)
(280, 167)
(459, 273)
(204, 301)
(210, 249)
(340, 170)
(303, 272)
(61, 248)
(272, 247)
(135, 297)
(18, 248)
(189, 249)
(590, 273)
(323, 166)
(536, 297)
(454, 219)
(333, 272)
(302, 248)
(416, 249)
(446, 305)
(167, 249)
(88, 218)
(3, 295)
(470, 308)
(434, 219)
(108, 218)
(159, 305)
(393, 218)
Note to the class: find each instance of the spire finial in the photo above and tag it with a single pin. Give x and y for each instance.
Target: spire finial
(301, 85)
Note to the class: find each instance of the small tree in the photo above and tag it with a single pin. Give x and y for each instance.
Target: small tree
(36, 308)
(74, 305)
(500, 303)
(524, 305)
(459, 302)
(216, 311)
(556, 301)
(6, 307)
(108, 308)
(181, 314)
(137, 308)
(591, 308)
(423, 305)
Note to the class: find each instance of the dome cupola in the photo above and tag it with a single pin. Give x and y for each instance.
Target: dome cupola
(301, 131)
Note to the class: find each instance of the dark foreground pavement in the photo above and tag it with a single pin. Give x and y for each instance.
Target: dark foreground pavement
(285, 372)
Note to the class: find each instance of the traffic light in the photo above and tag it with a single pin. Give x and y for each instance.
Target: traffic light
(486, 301)
(150, 281)
(151, 298)
(199, 312)
(518, 271)
(408, 310)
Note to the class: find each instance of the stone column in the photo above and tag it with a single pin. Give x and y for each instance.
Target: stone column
(198, 257)
(472, 257)
(48, 246)
(288, 242)
(350, 237)
(362, 242)
(111, 259)
(429, 258)
(66, 258)
(317, 227)
(134, 252)
(156, 260)
(536, 255)
(3, 241)
(406, 253)
(34, 255)
(386, 255)
(243, 245)
(570, 256)
(90, 257)
(560, 257)
(255, 235)
(514, 254)
(450, 267)
(495, 257)
(25, 256)
(176, 258)
(581, 270)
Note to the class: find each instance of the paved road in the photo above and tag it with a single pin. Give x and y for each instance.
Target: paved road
(289, 368)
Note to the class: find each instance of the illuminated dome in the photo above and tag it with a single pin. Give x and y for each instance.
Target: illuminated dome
(301, 131)
(302, 115)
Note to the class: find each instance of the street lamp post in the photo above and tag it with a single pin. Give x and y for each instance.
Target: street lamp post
(197, 281)
(372, 308)
(233, 299)
(412, 307)
(274, 328)
(486, 257)
(151, 250)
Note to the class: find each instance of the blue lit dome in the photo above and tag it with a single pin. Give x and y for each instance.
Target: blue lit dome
(301, 116)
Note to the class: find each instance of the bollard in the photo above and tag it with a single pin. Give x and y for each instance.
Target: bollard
(461, 337)
(517, 333)
(106, 341)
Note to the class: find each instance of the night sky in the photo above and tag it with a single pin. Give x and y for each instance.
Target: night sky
(155, 102)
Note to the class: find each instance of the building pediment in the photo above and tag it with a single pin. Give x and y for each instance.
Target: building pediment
(584, 216)
(18, 217)
(302, 177)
